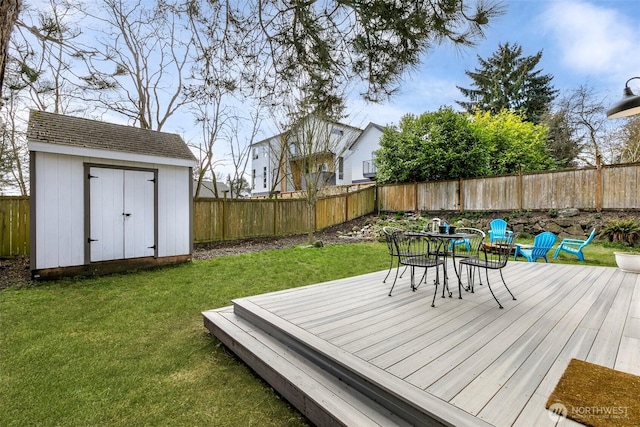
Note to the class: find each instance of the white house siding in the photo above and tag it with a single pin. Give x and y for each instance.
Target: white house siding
(174, 226)
(60, 237)
(60, 211)
(362, 151)
(261, 157)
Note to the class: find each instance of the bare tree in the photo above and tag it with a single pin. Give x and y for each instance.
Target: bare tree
(47, 55)
(314, 143)
(240, 145)
(13, 150)
(220, 83)
(38, 75)
(628, 136)
(585, 113)
(143, 60)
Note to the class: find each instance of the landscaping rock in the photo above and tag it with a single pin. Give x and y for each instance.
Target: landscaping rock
(568, 212)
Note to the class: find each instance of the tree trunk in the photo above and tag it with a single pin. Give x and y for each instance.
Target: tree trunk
(311, 223)
(9, 10)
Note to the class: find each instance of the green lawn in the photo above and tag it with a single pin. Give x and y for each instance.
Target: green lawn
(131, 350)
(596, 253)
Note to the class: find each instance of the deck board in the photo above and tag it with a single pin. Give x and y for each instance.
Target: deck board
(499, 365)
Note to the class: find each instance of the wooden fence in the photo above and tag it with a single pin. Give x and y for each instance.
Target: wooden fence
(14, 226)
(231, 219)
(614, 187)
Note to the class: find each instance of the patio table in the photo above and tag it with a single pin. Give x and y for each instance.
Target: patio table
(447, 240)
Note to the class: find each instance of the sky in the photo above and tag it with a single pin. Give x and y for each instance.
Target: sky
(583, 42)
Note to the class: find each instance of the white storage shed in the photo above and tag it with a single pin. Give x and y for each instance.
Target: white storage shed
(106, 197)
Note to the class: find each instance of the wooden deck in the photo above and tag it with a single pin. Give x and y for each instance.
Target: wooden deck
(343, 351)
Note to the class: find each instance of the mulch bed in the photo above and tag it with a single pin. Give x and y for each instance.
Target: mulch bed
(14, 271)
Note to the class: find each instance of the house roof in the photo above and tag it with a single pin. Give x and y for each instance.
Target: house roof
(59, 129)
(262, 141)
(371, 125)
(206, 188)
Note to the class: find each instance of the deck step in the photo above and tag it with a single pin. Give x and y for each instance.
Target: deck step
(370, 389)
(319, 396)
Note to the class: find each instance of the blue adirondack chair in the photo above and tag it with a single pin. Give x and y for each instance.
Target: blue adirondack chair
(542, 244)
(498, 231)
(574, 246)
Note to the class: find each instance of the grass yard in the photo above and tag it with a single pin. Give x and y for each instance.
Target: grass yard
(130, 350)
(596, 253)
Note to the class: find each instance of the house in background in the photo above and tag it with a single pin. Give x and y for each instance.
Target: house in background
(277, 163)
(207, 191)
(106, 197)
(362, 154)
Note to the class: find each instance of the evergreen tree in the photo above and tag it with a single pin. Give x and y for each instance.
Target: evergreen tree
(509, 81)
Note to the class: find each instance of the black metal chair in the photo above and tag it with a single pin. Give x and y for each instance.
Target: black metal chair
(494, 257)
(388, 231)
(467, 248)
(415, 251)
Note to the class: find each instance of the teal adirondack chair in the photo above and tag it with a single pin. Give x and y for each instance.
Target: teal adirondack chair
(542, 244)
(498, 231)
(574, 246)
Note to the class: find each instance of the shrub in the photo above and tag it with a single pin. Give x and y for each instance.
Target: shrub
(624, 230)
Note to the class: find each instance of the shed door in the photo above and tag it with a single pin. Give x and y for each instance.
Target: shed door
(122, 215)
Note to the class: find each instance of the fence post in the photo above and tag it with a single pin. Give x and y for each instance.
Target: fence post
(275, 213)
(225, 221)
(520, 188)
(376, 199)
(460, 198)
(346, 205)
(598, 184)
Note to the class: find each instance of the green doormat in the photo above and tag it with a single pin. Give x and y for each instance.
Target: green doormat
(597, 396)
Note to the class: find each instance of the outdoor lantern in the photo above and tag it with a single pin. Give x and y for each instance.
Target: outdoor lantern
(435, 224)
(628, 105)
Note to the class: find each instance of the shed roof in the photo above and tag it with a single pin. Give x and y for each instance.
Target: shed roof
(78, 132)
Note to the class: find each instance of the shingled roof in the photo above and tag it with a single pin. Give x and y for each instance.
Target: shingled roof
(78, 132)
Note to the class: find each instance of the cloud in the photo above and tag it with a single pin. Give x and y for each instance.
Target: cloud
(594, 39)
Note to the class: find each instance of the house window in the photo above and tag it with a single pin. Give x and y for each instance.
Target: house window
(264, 177)
(253, 179)
(340, 167)
(255, 153)
(337, 131)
